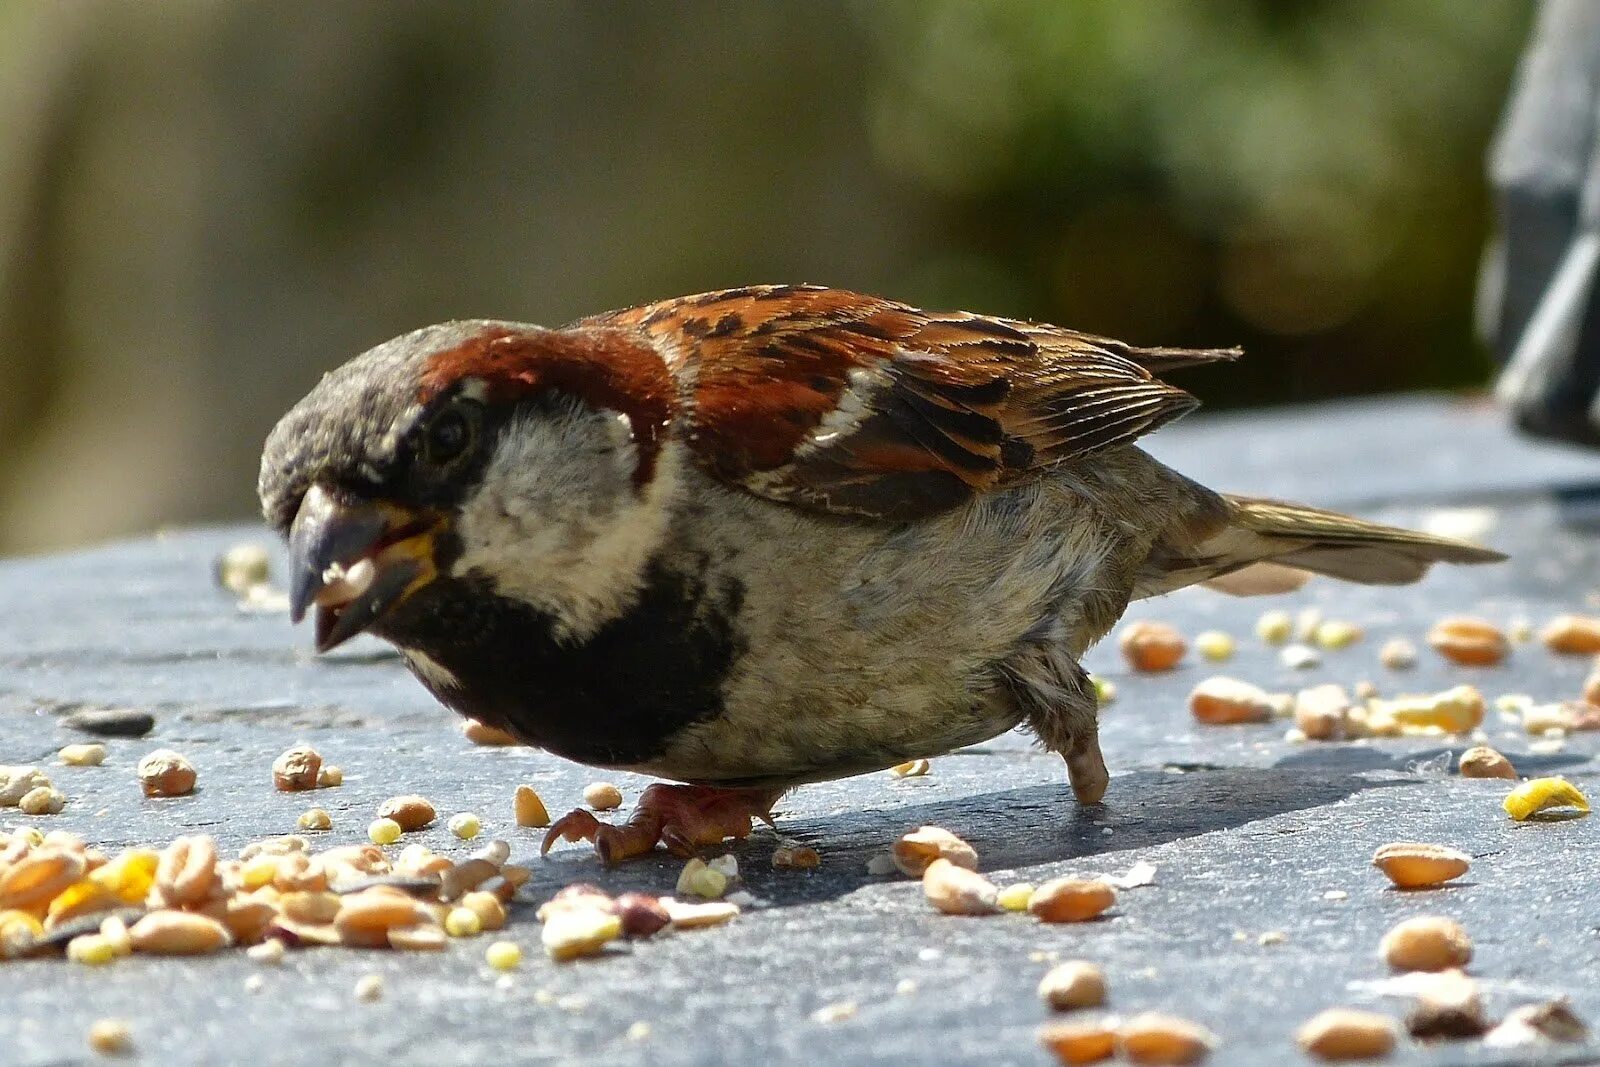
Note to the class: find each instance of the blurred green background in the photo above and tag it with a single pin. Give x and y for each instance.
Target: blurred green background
(205, 205)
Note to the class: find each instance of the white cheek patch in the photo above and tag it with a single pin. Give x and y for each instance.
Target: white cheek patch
(435, 673)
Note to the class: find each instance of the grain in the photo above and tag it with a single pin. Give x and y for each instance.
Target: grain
(1456, 711)
(464, 825)
(1344, 1034)
(480, 733)
(1398, 654)
(1224, 701)
(487, 907)
(916, 768)
(1469, 642)
(1415, 865)
(699, 879)
(1322, 712)
(1426, 943)
(1215, 646)
(796, 858)
(916, 850)
(503, 955)
(383, 831)
(1275, 627)
(529, 807)
(1544, 794)
(369, 987)
(18, 782)
(602, 796)
(178, 933)
(1151, 646)
(570, 933)
(1163, 1039)
(34, 881)
(1300, 657)
(315, 819)
(330, 776)
(365, 918)
(1073, 984)
(1572, 635)
(409, 812)
(463, 922)
(186, 874)
(1336, 634)
(956, 890)
(110, 1037)
(1071, 900)
(269, 952)
(91, 949)
(1482, 761)
(1080, 1042)
(1015, 897)
(45, 800)
(243, 566)
(1447, 1007)
(1105, 690)
(86, 755)
(686, 915)
(296, 769)
(165, 773)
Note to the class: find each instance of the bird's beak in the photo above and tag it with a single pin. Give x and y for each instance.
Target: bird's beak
(355, 560)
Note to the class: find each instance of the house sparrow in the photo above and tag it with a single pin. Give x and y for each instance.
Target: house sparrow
(767, 536)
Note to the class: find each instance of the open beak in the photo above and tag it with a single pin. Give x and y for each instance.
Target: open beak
(355, 560)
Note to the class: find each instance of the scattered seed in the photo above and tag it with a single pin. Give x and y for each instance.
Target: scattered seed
(178, 933)
(1215, 645)
(186, 873)
(1228, 701)
(1152, 1038)
(110, 1037)
(487, 907)
(1456, 711)
(1080, 1042)
(464, 825)
(1015, 897)
(602, 796)
(463, 922)
(698, 879)
(87, 755)
(111, 722)
(409, 812)
(1398, 654)
(1336, 634)
(529, 808)
(369, 987)
(957, 890)
(796, 857)
(1071, 900)
(91, 949)
(913, 769)
(296, 769)
(30, 883)
(503, 955)
(829, 1014)
(1322, 712)
(243, 566)
(269, 952)
(1448, 1006)
(1469, 642)
(1536, 1024)
(1576, 635)
(1344, 1034)
(165, 773)
(18, 782)
(573, 932)
(480, 733)
(1300, 657)
(44, 800)
(1544, 794)
(690, 916)
(916, 850)
(316, 819)
(1074, 984)
(1151, 646)
(1482, 761)
(1413, 865)
(384, 832)
(330, 776)
(1275, 627)
(1105, 690)
(1426, 943)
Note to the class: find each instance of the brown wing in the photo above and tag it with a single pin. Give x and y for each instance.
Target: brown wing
(854, 405)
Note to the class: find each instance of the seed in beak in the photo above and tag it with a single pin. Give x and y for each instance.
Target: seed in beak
(341, 586)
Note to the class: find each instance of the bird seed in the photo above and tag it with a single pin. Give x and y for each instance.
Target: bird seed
(1426, 943)
(165, 773)
(1414, 865)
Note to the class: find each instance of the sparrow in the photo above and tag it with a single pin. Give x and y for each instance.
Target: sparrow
(766, 536)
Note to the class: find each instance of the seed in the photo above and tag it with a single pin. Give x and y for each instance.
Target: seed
(464, 825)
(315, 819)
(1411, 865)
(1151, 646)
(91, 949)
(165, 773)
(45, 800)
(1469, 642)
(110, 1037)
(1322, 712)
(529, 808)
(311, 906)
(602, 796)
(115, 931)
(463, 922)
(383, 831)
(1482, 761)
(1534, 1024)
(1572, 635)
(480, 733)
(1075, 1042)
(89, 755)
(187, 872)
(829, 1014)
(1398, 654)
(1152, 1038)
(129, 876)
(796, 858)
(1447, 1006)
(1074, 984)
(1275, 627)
(959, 891)
(18, 782)
(242, 566)
(1105, 690)
(410, 812)
(34, 881)
(699, 879)
(465, 877)
(487, 907)
(1228, 701)
(1336, 634)
(297, 769)
(1343, 1034)
(642, 915)
(1214, 645)
(1456, 711)
(330, 776)
(178, 933)
(1071, 900)
(369, 987)
(1426, 943)
(1300, 657)
(687, 916)
(917, 849)
(570, 933)
(503, 955)
(1015, 897)
(1542, 794)
(365, 917)
(269, 952)
(420, 937)
(914, 769)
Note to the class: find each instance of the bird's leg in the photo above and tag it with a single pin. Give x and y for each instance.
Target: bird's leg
(684, 818)
(1086, 767)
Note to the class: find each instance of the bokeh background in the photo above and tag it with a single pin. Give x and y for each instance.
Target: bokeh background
(204, 205)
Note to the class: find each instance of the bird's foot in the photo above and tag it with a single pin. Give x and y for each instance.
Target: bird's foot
(684, 818)
(1086, 768)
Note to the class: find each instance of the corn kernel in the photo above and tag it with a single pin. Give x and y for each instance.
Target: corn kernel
(258, 871)
(1215, 645)
(1541, 793)
(465, 825)
(1275, 627)
(1336, 634)
(1015, 897)
(503, 955)
(463, 922)
(129, 876)
(92, 949)
(383, 832)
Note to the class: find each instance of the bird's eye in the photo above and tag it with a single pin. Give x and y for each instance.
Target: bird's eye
(449, 435)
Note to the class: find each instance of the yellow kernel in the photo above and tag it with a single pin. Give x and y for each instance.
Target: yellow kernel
(93, 949)
(31, 834)
(463, 922)
(1336, 634)
(258, 871)
(1015, 897)
(503, 955)
(1105, 691)
(330, 776)
(529, 808)
(913, 769)
(91, 755)
(1541, 794)
(110, 1037)
(1275, 627)
(465, 825)
(1215, 645)
(316, 819)
(383, 832)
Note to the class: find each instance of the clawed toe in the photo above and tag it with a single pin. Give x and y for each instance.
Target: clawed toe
(684, 819)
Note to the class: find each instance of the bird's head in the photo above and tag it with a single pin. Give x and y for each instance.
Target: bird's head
(533, 460)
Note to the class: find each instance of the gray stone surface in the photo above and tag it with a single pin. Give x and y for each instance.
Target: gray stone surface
(1249, 833)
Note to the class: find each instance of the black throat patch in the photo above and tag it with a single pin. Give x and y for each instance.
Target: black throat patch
(616, 698)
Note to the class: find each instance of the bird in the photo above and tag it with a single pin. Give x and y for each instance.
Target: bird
(767, 536)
